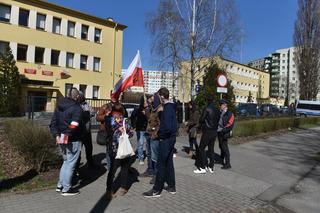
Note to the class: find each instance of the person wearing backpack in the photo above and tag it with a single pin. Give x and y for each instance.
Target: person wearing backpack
(225, 127)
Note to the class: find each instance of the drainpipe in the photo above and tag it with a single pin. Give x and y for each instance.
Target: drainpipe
(114, 54)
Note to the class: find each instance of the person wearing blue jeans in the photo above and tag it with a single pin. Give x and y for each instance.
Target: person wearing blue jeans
(66, 127)
(140, 142)
(139, 121)
(167, 138)
(70, 154)
(154, 145)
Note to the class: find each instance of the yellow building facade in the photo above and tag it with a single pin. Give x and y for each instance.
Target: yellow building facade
(57, 48)
(243, 78)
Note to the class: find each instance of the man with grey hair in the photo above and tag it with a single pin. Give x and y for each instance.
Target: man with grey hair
(66, 128)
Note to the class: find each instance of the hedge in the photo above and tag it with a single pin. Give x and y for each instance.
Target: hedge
(253, 127)
(32, 141)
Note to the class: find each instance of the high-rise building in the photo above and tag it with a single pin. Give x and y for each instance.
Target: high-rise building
(284, 80)
(155, 79)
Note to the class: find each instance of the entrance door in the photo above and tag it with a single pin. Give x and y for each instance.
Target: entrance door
(37, 100)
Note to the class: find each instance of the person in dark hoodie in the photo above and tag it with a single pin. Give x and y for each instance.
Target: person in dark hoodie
(209, 124)
(66, 128)
(166, 134)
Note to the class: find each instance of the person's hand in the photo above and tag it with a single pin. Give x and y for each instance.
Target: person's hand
(57, 139)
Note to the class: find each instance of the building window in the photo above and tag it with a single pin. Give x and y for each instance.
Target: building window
(283, 67)
(22, 52)
(5, 12)
(3, 47)
(55, 57)
(68, 88)
(97, 35)
(23, 17)
(39, 52)
(56, 25)
(283, 55)
(83, 62)
(41, 21)
(70, 57)
(96, 64)
(95, 92)
(71, 27)
(83, 88)
(84, 32)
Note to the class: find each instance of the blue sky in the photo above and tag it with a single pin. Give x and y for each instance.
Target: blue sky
(268, 25)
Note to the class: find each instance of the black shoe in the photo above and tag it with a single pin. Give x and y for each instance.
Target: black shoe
(226, 167)
(153, 180)
(70, 192)
(171, 190)
(59, 189)
(151, 193)
(146, 174)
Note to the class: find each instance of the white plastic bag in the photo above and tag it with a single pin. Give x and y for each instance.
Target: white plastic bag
(124, 148)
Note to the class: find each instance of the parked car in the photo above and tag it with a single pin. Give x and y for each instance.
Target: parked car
(248, 110)
(269, 110)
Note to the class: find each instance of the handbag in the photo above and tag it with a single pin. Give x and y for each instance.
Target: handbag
(193, 132)
(102, 136)
(124, 148)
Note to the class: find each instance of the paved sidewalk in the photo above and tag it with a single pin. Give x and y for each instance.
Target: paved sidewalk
(263, 174)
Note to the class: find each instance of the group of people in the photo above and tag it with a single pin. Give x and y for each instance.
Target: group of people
(155, 123)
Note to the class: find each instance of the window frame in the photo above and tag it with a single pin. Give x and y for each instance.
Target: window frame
(74, 29)
(52, 51)
(26, 52)
(67, 61)
(86, 64)
(6, 45)
(20, 23)
(100, 32)
(3, 19)
(66, 88)
(35, 55)
(93, 91)
(94, 67)
(53, 26)
(82, 33)
(85, 88)
(45, 18)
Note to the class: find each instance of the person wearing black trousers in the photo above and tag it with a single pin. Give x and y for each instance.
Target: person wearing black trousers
(226, 123)
(209, 125)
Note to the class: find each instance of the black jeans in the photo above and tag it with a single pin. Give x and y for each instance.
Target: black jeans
(87, 142)
(115, 164)
(223, 145)
(165, 168)
(207, 139)
(192, 141)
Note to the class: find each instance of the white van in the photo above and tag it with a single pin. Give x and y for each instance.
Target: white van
(308, 108)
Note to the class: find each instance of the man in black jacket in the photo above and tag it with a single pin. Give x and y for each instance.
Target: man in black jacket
(209, 124)
(66, 128)
(167, 135)
(225, 127)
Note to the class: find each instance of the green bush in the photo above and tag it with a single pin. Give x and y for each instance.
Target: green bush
(253, 127)
(32, 141)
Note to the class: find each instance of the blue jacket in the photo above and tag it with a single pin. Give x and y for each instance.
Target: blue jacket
(168, 122)
(67, 119)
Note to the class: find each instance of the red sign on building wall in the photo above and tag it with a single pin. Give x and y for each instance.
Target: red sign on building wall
(48, 73)
(30, 71)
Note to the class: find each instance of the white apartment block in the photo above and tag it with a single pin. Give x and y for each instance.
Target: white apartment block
(156, 79)
(288, 75)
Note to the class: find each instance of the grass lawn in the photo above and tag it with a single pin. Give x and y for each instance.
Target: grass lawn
(308, 126)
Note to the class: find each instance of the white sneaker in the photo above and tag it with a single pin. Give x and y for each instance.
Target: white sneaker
(210, 170)
(141, 162)
(200, 171)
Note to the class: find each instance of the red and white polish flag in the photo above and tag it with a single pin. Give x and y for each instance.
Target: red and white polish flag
(132, 77)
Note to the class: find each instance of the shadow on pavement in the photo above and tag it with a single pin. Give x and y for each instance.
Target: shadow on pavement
(216, 157)
(89, 175)
(12, 182)
(101, 205)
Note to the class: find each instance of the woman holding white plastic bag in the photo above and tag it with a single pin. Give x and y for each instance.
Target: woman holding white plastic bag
(119, 128)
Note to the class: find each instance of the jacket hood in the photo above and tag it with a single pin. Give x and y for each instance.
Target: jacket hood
(156, 101)
(65, 103)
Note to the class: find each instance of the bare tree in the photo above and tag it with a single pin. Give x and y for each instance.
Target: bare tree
(203, 28)
(165, 28)
(307, 42)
